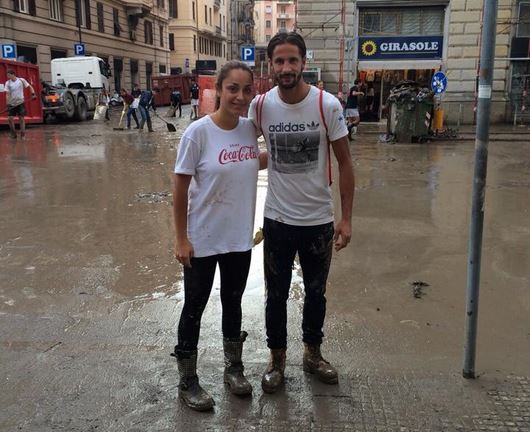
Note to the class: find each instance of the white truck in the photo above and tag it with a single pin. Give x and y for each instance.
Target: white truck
(76, 85)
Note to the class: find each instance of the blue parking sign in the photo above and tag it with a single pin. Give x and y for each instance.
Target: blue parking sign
(9, 51)
(79, 49)
(248, 53)
(439, 83)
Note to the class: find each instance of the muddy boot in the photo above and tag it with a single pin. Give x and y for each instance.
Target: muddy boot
(314, 363)
(273, 377)
(149, 125)
(190, 390)
(142, 123)
(233, 375)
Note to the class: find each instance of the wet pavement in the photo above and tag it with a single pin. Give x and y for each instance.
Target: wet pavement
(90, 293)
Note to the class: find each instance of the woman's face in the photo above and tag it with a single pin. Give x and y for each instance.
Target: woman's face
(236, 92)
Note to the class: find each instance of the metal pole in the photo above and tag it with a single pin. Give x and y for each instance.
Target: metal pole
(487, 55)
(80, 3)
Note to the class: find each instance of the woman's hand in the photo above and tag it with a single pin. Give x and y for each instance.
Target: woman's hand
(184, 252)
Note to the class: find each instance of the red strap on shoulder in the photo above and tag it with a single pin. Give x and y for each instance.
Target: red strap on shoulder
(321, 107)
(259, 110)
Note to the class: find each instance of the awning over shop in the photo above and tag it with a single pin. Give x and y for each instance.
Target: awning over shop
(399, 64)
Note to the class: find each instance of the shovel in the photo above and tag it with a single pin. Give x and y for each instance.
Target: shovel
(170, 126)
(121, 119)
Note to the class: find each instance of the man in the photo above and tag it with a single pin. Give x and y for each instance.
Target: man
(14, 88)
(352, 108)
(297, 120)
(176, 102)
(147, 100)
(194, 89)
(128, 101)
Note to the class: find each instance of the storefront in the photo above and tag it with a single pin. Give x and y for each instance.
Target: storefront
(396, 44)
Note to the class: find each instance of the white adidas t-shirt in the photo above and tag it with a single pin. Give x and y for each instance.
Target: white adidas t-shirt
(16, 91)
(298, 192)
(222, 194)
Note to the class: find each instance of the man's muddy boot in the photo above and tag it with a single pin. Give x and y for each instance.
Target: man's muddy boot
(190, 391)
(273, 377)
(314, 363)
(150, 126)
(233, 376)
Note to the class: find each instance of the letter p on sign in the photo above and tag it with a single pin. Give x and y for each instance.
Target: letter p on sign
(9, 51)
(247, 54)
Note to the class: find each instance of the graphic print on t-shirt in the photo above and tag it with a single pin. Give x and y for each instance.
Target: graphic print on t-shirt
(294, 147)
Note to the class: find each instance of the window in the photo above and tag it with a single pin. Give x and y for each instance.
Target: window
(101, 22)
(268, 38)
(148, 32)
(211, 21)
(194, 43)
(116, 18)
(162, 69)
(523, 27)
(224, 23)
(193, 10)
(82, 13)
(57, 53)
(282, 25)
(426, 21)
(161, 31)
(148, 74)
(171, 42)
(160, 4)
(25, 6)
(27, 54)
(56, 10)
(268, 9)
(173, 9)
(206, 14)
(268, 24)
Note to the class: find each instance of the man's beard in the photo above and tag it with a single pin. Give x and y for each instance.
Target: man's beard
(292, 84)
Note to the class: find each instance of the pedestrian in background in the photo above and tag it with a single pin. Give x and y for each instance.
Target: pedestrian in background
(320, 85)
(147, 101)
(301, 125)
(214, 202)
(129, 107)
(351, 112)
(104, 100)
(194, 89)
(176, 102)
(14, 88)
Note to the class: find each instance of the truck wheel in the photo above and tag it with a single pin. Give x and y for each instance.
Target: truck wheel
(69, 106)
(81, 111)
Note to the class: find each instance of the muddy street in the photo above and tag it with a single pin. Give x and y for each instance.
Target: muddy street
(90, 293)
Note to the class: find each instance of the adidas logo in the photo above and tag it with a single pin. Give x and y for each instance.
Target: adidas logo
(287, 127)
(313, 126)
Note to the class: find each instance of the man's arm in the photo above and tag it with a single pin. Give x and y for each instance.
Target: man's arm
(26, 85)
(341, 149)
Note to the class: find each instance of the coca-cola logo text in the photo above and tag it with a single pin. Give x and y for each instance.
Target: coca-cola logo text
(242, 154)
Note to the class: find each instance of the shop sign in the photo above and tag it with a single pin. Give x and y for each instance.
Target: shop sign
(400, 47)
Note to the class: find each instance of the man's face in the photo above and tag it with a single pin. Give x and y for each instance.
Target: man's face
(11, 76)
(287, 65)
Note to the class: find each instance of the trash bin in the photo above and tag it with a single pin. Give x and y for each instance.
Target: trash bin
(409, 112)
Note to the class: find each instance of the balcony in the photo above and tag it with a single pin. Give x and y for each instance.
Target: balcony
(216, 4)
(218, 31)
(139, 8)
(284, 16)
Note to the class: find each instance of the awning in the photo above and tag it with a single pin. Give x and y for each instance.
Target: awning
(399, 64)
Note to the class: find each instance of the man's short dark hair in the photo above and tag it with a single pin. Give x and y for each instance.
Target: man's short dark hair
(281, 38)
(10, 72)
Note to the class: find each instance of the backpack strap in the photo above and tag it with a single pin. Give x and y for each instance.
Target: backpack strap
(321, 107)
(259, 110)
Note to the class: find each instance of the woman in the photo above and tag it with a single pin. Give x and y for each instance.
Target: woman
(214, 202)
(128, 100)
(104, 100)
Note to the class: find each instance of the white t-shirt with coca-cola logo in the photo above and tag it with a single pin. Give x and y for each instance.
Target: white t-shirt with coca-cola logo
(222, 194)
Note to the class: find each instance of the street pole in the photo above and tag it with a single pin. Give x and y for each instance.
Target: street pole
(487, 55)
(80, 14)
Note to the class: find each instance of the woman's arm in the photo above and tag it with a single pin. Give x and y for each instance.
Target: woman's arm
(183, 247)
(263, 158)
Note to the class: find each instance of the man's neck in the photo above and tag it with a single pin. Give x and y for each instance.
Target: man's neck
(295, 94)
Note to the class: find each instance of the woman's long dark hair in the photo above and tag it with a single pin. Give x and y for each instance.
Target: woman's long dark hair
(223, 73)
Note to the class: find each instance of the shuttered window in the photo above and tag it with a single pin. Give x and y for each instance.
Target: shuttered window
(148, 32)
(56, 10)
(116, 21)
(421, 21)
(101, 19)
(171, 41)
(523, 27)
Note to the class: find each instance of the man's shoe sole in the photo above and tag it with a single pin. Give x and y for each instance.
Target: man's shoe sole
(320, 377)
(197, 407)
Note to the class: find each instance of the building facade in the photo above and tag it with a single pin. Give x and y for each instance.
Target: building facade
(270, 17)
(197, 31)
(412, 39)
(132, 37)
(241, 31)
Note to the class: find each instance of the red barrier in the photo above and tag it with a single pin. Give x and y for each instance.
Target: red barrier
(30, 73)
(166, 84)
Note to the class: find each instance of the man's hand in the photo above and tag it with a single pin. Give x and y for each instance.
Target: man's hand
(184, 252)
(342, 234)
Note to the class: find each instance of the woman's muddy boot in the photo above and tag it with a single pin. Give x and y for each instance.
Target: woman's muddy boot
(190, 390)
(314, 363)
(233, 376)
(273, 377)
